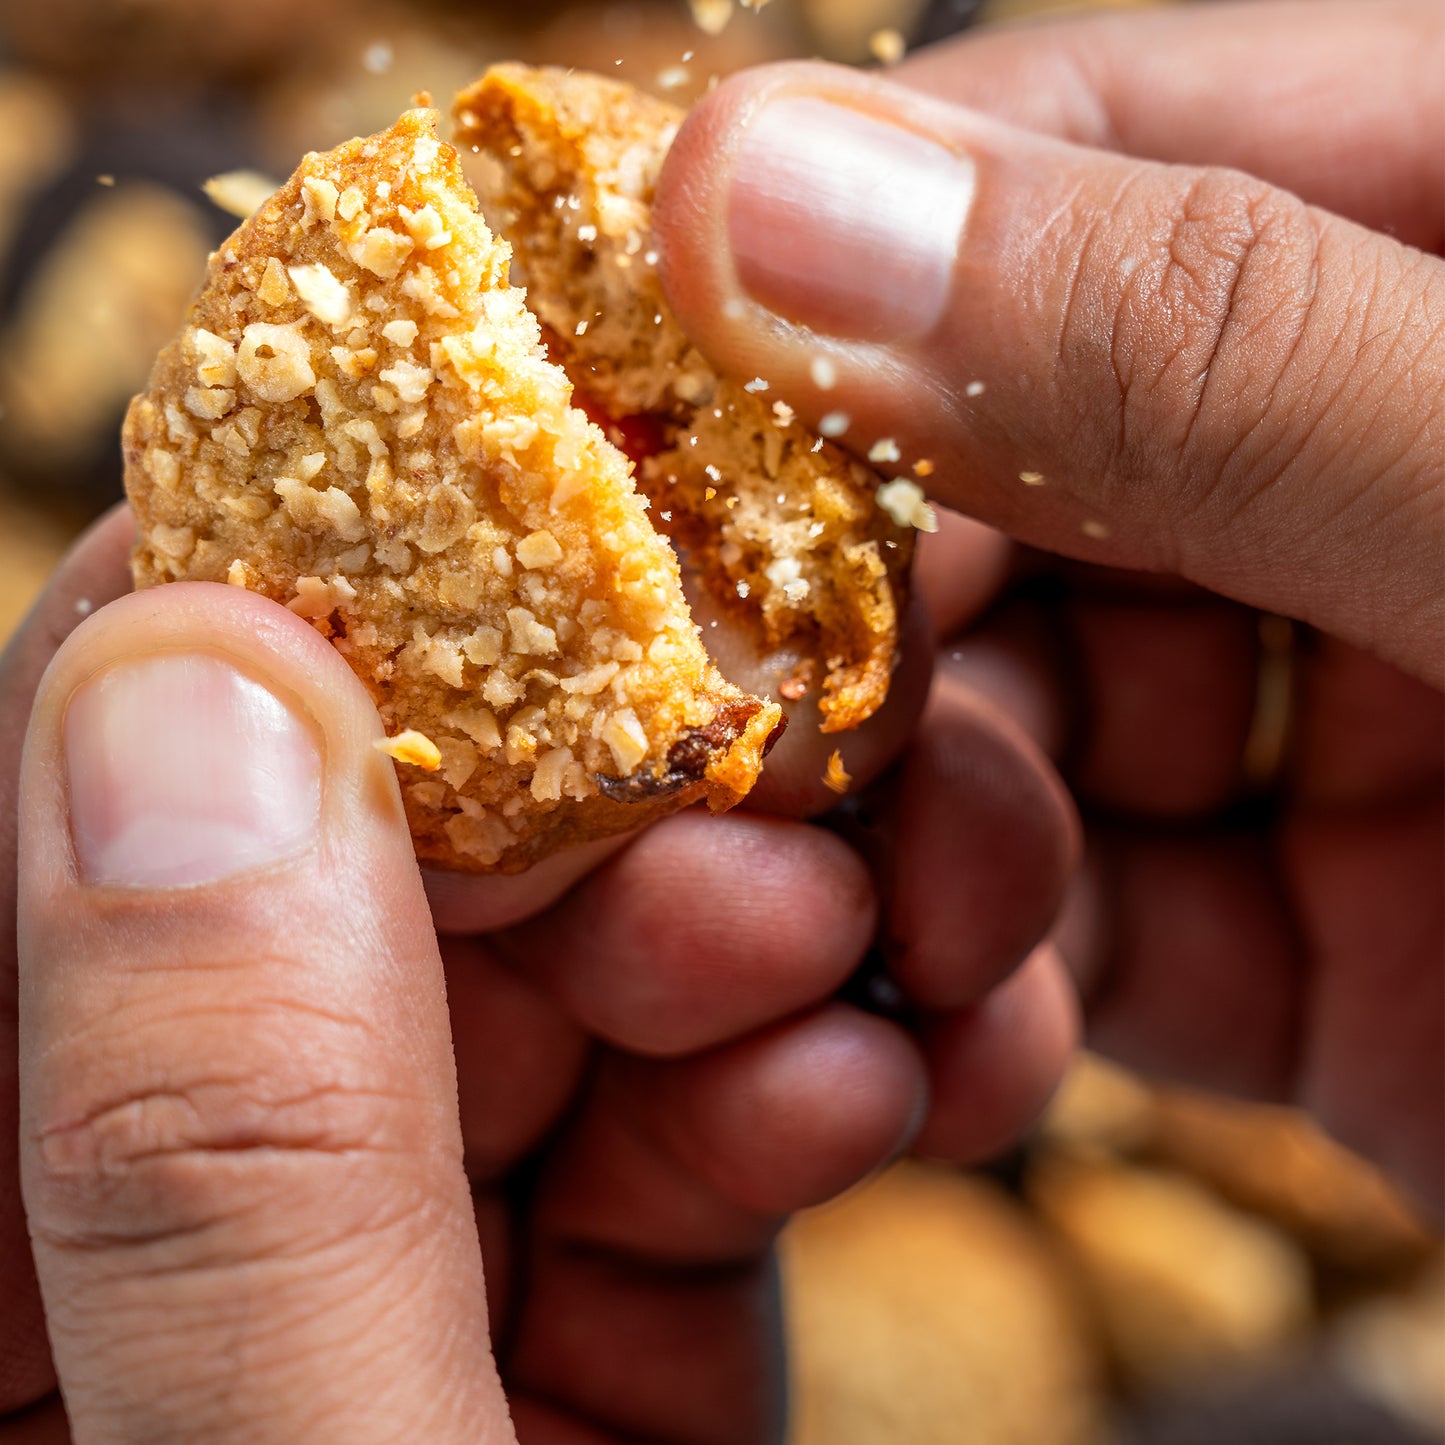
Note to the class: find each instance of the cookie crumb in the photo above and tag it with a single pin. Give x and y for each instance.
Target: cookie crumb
(238, 193)
(834, 424)
(1098, 531)
(837, 778)
(887, 46)
(411, 747)
(923, 467)
(1032, 479)
(974, 388)
(905, 503)
(711, 16)
(884, 450)
(823, 372)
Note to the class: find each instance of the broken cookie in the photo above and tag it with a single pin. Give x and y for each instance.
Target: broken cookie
(780, 528)
(359, 420)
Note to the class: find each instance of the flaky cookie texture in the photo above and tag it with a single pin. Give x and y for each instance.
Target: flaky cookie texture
(359, 421)
(781, 526)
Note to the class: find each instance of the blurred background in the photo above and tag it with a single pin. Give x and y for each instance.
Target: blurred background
(1153, 1265)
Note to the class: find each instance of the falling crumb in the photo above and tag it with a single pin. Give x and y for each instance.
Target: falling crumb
(587, 233)
(1097, 530)
(754, 4)
(1032, 479)
(411, 747)
(887, 46)
(105, 180)
(974, 388)
(923, 467)
(884, 450)
(708, 493)
(83, 606)
(673, 76)
(756, 385)
(782, 413)
(711, 16)
(794, 689)
(743, 589)
(823, 372)
(834, 424)
(734, 308)
(905, 503)
(581, 328)
(837, 778)
(239, 193)
(378, 57)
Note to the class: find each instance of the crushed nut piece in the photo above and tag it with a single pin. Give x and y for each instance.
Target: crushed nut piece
(238, 193)
(905, 503)
(411, 747)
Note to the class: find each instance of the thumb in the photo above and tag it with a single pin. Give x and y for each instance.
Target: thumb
(240, 1153)
(1162, 367)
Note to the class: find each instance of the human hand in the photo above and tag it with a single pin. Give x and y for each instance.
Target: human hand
(1110, 346)
(254, 1202)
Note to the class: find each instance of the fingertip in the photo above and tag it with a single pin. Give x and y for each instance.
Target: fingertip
(790, 1117)
(703, 928)
(994, 1067)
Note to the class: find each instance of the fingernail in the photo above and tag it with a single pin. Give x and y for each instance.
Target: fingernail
(845, 222)
(183, 770)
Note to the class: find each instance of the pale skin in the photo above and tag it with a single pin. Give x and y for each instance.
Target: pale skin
(265, 1119)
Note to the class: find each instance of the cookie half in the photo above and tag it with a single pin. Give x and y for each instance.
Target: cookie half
(359, 420)
(781, 528)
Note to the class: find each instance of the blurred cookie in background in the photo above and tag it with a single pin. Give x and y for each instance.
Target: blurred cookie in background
(1186, 1287)
(178, 42)
(1279, 1164)
(925, 1308)
(97, 306)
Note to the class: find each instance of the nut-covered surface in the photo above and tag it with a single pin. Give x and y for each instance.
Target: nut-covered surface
(359, 421)
(781, 527)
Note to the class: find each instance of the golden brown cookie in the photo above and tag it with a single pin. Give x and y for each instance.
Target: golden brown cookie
(359, 420)
(781, 527)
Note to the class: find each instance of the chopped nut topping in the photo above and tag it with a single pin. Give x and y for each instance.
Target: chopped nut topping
(400, 333)
(382, 251)
(275, 289)
(318, 201)
(328, 299)
(274, 362)
(539, 549)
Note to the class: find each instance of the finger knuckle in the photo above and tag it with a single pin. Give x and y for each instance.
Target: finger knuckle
(1203, 319)
(135, 1151)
